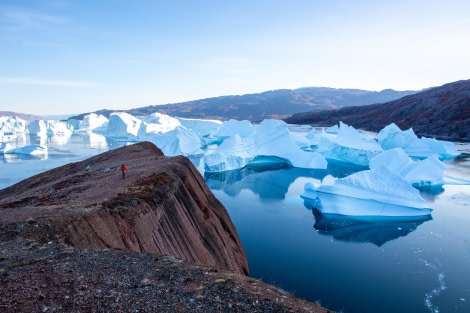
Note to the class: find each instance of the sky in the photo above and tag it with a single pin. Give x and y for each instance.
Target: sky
(66, 57)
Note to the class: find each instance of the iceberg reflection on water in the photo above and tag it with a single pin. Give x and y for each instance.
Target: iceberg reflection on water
(374, 229)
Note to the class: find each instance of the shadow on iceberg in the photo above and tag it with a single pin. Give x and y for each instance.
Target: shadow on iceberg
(376, 230)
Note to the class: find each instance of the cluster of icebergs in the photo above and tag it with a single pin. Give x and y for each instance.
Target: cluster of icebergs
(395, 162)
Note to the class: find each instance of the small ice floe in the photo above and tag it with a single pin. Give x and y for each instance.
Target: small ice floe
(25, 150)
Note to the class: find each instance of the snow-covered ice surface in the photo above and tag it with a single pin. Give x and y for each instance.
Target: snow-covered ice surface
(268, 142)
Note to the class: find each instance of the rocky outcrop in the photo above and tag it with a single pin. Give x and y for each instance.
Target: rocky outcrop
(162, 206)
(441, 112)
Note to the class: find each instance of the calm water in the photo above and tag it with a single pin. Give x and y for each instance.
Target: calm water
(347, 265)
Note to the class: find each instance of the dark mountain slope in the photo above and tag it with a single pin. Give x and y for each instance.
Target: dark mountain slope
(270, 104)
(441, 112)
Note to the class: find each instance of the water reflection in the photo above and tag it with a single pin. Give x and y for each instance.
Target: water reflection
(265, 182)
(375, 230)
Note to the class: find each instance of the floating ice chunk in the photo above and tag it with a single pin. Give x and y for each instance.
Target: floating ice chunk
(123, 125)
(9, 125)
(90, 122)
(349, 146)
(158, 123)
(37, 127)
(178, 141)
(332, 130)
(58, 128)
(315, 136)
(392, 136)
(169, 135)
(421, 173)
(375, 192)
(271, 141)
(26, 150)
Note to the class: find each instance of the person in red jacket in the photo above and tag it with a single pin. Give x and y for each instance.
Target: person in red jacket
(123, 170)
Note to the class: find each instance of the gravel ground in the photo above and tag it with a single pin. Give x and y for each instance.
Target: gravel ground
(54, 277)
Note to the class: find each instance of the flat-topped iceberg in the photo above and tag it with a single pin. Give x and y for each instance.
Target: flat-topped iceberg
(376, 192)
(392, 136)
(90, 122)
(348, 146)
(7, 148)
(203, 128)
(271, 142)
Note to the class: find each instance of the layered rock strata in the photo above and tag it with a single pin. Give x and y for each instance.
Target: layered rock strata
(162, 206)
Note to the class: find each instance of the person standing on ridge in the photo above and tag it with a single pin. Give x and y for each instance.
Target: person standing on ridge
(123, 170)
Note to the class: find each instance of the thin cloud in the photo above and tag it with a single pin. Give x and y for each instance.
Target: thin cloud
(14, 18)
(44, 82)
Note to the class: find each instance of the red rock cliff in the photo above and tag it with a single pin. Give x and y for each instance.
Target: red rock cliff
(162, 206)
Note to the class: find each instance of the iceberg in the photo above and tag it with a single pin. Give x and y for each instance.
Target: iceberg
(348, 146)
(90, 122)
(178, 141)
(169, 135)
(10, 125)
(25, 150)
(376, 192)
(392, 136)
(421, 173)
(377, 231)
(58, 128)
(123, 125)
(269, 142)
(37, 127)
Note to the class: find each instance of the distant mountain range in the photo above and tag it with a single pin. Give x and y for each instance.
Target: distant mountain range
(276, 104)
(25, 116)
(441, 112)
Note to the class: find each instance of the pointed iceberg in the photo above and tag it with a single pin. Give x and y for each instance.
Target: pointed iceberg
(392, 136)
(420, 173)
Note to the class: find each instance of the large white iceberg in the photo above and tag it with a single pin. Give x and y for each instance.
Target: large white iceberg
(270, 142)
(169, 135)
(348, 146)
(90, 122)
(377, 192)
(9, 125)
(392, 136)
(123, 125)
(37, 127)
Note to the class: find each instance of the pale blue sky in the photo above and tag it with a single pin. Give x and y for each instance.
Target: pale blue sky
(64, 56)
